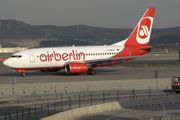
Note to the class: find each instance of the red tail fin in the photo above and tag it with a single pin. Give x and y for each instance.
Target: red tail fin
(138, 42)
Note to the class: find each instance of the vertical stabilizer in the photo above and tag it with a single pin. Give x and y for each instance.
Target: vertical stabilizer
(140, 36)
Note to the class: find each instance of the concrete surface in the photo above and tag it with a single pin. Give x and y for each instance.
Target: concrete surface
(84, 111)
(143, 109)
(169, 66)
(76, 86)
(117, 77)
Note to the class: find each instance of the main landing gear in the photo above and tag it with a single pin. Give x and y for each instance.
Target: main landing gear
(21, 71)
(91, 71)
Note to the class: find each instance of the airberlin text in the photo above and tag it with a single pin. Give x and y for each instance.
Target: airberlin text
(56, 56)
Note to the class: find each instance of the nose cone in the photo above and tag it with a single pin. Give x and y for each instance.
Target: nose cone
(8, 62)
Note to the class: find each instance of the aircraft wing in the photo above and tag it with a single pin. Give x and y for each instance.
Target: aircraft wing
(110, 61)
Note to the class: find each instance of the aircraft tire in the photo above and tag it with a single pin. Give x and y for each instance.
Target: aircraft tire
(23, 74)
(92, 71)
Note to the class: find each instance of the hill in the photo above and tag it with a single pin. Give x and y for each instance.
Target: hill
(14, 33)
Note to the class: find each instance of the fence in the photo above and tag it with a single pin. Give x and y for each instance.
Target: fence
(67, 101)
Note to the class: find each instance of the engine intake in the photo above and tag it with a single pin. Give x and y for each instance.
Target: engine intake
(75, 68)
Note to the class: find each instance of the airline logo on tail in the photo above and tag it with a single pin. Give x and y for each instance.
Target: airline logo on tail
(144, 30)
(140, 36)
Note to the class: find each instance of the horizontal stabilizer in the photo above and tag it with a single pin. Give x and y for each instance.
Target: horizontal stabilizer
(147, 48)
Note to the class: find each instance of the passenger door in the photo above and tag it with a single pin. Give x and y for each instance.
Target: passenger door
(32, 57)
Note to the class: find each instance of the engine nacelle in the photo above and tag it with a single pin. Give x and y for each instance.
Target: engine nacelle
(76, 67)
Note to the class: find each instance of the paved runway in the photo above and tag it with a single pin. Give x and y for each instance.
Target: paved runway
(104, 75)
(147, 113)
(167, 65)
(108, 73)
(114, 77)
(168, 68)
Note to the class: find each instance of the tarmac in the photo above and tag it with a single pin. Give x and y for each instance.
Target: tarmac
(171, 112)
(115, 77)
(103, 74)
(141, 68)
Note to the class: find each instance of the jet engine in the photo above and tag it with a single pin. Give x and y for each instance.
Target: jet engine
(76, 68)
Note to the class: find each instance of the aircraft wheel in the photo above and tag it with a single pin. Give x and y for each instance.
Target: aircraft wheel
(177, 92)
(92, 71)
(23, 74)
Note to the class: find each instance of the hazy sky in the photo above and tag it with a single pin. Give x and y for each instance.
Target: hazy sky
(103, 13)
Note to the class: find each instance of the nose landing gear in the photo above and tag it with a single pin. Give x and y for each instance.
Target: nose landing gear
(22, 71)
(23, 74)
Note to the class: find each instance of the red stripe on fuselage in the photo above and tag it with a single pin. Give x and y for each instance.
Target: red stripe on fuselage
(38, 68)
(132, 51)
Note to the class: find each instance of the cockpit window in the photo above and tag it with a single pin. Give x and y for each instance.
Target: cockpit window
(16, 56)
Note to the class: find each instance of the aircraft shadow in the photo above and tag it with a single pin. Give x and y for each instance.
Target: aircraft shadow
(59, 73)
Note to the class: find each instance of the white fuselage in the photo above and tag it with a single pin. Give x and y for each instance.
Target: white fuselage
(59, 56)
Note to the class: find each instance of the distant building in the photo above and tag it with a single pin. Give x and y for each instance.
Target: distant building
(12, 50)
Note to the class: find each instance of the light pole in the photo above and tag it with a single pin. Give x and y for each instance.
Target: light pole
(156, 75)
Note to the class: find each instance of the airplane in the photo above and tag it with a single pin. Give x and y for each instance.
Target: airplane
(84, 59)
